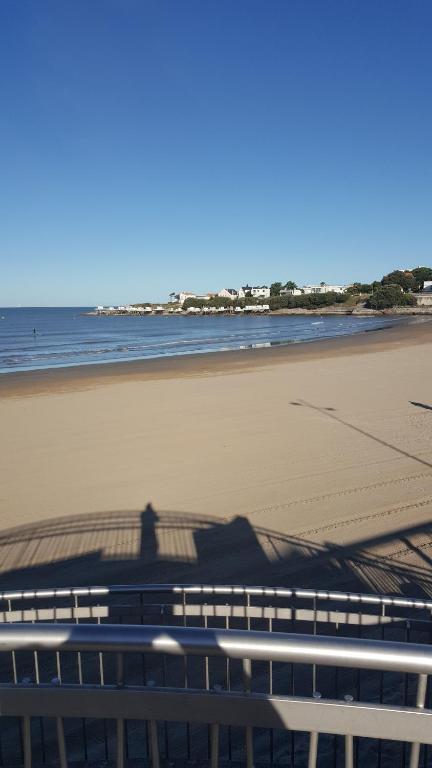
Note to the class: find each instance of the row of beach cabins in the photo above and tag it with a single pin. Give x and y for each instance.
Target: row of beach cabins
(159, 310)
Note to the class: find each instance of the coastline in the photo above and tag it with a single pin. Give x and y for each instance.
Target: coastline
(312, 462)
(407, 331)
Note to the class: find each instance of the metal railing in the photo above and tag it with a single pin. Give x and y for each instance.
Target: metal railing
(237, 602)
(213, 694)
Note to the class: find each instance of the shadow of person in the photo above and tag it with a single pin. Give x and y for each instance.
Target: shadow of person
(148, 549)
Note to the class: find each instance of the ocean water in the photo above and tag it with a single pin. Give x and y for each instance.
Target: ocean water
(65, 336)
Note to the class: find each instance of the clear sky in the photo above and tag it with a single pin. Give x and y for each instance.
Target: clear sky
(156, 145)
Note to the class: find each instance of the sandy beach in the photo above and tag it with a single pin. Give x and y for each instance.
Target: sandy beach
(302, 465)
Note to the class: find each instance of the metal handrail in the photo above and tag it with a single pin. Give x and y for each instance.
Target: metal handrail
(222, 589)
(233, 644)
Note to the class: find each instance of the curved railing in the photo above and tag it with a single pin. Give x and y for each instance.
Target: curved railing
(178, 692)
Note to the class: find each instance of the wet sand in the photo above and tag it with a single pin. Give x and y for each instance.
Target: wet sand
(308, 464)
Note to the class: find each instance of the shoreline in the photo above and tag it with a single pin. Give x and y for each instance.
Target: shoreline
(312, 462)
(407, 331)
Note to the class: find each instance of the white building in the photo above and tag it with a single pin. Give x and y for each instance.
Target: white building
(257, 291)
(424, 297)
(290, 292)
(181, 297)
(228, 293)
(324, 288)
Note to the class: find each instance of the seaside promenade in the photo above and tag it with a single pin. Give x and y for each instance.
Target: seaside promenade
(305, 466)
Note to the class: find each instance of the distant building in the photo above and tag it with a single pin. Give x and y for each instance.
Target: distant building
(324, 288)
(228, 293)
(180, 298)
(257, 291)
(290, 292)
(424, 297)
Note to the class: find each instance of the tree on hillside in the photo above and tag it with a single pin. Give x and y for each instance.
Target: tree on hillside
(405, 279)
(275, 289)
(290, 286)
(421, 274)
(388, 296)
(357, 288)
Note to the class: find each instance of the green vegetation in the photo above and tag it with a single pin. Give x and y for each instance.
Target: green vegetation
(393, 290)
(276, 288)
(215, 301)
(421, 274)
(358, 288)
(388, 296)
(307, 300)
(404, 279)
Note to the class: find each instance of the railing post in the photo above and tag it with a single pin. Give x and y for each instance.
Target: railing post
(214, 745)
(154, 744)
(313, 750)
(420, 703)
(61, 743)
(313, 739)
(27, 742)
(247, 676)
(349, 741)
(120, 721)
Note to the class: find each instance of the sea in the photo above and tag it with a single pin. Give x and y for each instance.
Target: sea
(52, 337)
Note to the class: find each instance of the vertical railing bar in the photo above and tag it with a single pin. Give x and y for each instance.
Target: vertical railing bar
(206, 660)
(292, 733)
(314, 669)
(228, 687)
(59, 675)
(102, 682)
(349, 752)
(207, 685)
(144, 675)
(313, 749)
(164, 682)
(270, 629)
(247, 680)
(41, 726)
(36, 667)
(61, 743)
(381, 692)
(186, 680)
(154, 744)
(120, 743)
(26, 737)
(101, 663)
(80, 676)
(358, 684)
(405, 691)
(420, 703)
(14, 666)
(214, 745)
(120, 720)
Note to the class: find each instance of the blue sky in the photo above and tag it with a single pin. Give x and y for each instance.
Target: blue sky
(155, 145)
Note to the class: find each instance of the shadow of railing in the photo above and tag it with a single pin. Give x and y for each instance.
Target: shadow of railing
(165, 546)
